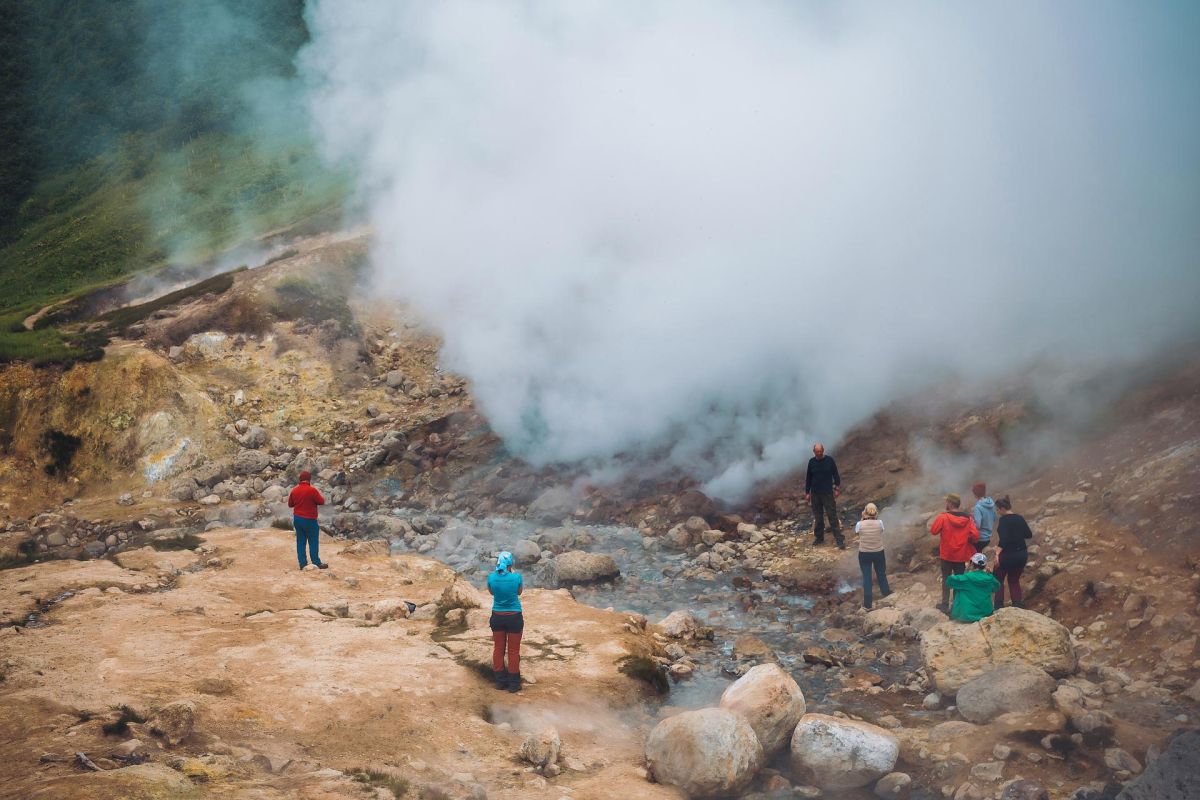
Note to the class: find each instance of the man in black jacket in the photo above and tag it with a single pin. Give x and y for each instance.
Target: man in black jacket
(822, 485)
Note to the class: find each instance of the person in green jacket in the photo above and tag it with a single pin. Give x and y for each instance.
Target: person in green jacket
(973, 591)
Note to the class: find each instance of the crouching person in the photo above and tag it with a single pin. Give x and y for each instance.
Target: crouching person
(973, 591)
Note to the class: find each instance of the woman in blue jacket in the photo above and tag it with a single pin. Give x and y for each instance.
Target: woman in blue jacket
(507, 623)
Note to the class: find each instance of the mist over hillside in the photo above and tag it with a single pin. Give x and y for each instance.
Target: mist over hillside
(144, 132)
(724, 231)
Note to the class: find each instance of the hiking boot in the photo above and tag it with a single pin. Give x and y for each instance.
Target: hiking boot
(514, 682)
(1018, 604)
(502, 679)
(818, 540)
(322, 565)
(943, 607)
(841, 542)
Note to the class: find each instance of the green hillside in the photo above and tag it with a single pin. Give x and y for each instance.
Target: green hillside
(142, 132)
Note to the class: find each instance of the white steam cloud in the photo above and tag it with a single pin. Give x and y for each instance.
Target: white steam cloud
(721, 230)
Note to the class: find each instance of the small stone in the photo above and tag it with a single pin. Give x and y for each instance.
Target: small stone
(1120, 760)
(542, 749)
(893, 786)
(988, 771)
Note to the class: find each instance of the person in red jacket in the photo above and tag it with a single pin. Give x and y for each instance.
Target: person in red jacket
(958, 535)
(303, 501)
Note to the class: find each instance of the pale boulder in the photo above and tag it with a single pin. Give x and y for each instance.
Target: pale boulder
(881, 620)
(577, 566)
(836, 754)
(770, 700)
(955, 654)
(707, 753)
(1005, 689)
(679, 624)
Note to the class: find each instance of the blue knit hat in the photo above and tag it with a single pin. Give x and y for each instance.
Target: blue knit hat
(504, 561)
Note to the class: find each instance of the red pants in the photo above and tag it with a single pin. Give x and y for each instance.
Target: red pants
(511, 642)
(1013, 575)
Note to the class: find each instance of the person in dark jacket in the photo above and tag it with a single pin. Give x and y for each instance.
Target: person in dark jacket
(303, 501)
(958, 535)
(1012, 532)
(822, 485)
(507, 622)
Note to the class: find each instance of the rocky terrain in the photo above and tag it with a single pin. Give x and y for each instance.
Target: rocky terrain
(158, 640)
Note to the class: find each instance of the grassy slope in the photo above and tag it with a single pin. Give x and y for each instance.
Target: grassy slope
(125, 212)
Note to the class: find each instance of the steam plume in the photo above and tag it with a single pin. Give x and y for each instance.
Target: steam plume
(722, 230)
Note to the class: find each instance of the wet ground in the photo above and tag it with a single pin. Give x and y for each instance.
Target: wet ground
(734, 604)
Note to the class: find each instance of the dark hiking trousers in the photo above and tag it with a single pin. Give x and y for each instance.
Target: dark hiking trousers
(878, 562)
(825, 505)
(1012, 573)
(308, 533)
(950, 568)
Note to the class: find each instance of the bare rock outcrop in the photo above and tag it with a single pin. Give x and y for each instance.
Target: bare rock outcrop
(955, 654)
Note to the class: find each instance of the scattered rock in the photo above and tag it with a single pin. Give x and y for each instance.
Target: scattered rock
(174, 722)
(893, 786)
(1171, 776)
(1024, 789)
(250, 462)
(542, 749)
(880, 621)
(771, 701)
(1012, 687)
(835, 753)
(1120, 760)
(679, 624)
(459, 594)
(707, 753)
(577, 567)
(553, 504)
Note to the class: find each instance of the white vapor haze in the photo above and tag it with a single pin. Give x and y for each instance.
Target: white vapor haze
(725, 229)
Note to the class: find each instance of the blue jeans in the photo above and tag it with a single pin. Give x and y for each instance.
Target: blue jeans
(878, 561)
(307, 532)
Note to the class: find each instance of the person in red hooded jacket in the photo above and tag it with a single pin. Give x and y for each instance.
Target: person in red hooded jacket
(958, 536)
(303, 501)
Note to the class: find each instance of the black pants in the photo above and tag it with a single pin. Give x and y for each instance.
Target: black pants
(950, 568)
(878, 562)
(825, 505)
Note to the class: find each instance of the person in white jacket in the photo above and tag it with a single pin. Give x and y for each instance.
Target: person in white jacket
(870, 552)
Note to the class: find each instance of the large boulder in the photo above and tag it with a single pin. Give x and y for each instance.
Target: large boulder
(954, 653)
(576, 567)
(250, 462)
(707, 753)
(553, 504)
(526, 552)
(836, 754)
(459, 594)
(769, 699)
(1175, 775)
(1012, 687)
